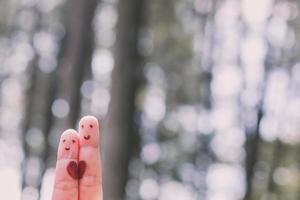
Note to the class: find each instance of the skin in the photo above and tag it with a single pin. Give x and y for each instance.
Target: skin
(78, 168)
(90, 185)
(65, 186)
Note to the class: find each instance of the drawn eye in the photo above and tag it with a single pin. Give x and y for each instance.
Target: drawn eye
(73, 141)
(64, 140)
(91, 126)
(82, 126)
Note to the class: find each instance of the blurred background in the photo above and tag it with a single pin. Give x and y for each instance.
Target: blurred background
(197, 99)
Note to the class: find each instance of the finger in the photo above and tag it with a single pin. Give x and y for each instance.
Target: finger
(66, 176)
(90, 170)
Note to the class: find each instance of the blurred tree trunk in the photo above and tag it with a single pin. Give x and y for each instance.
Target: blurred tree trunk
(252, 151)
(38, 103)
(76, 54)
(38, 109)
(119, 126)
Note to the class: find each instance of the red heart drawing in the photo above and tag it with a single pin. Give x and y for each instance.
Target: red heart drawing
(73, 169)
(76, 171)
(81, 169)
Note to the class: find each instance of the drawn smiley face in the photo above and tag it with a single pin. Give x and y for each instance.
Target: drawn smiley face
(89, 131)
(69, 145)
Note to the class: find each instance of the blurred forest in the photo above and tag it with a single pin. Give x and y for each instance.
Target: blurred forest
(197, 99)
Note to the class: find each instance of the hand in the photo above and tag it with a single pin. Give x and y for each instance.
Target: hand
(78, 167)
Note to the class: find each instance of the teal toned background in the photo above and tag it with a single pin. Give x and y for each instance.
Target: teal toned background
(197, 99)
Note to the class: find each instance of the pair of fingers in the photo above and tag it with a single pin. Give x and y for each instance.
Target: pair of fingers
(78, 173)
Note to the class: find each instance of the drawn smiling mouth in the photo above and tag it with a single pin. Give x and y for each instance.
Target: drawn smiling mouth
(67, 148)
(87, 137)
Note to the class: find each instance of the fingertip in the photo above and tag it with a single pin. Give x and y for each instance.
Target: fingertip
(68, 145)
(89, 132)
(88, 119)
(69, 132)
